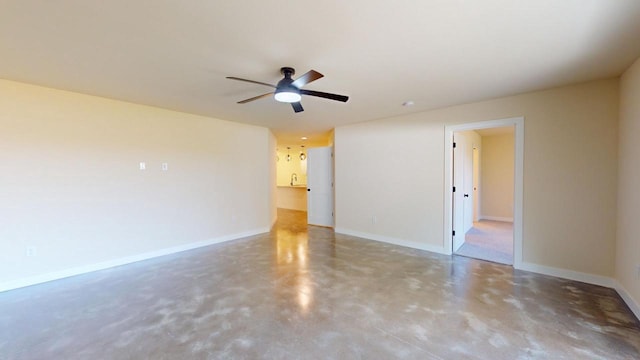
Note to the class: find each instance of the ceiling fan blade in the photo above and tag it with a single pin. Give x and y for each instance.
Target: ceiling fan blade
(308, 77)
(250, 81)
(255, 98)
(297, 107)
(325, 95)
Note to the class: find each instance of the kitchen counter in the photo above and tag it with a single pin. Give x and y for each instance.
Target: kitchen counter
(292, 197)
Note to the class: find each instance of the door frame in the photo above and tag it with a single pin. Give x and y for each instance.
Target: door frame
(518, 123)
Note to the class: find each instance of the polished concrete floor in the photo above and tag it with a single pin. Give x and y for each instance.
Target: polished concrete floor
(300, 293)
(489, 240)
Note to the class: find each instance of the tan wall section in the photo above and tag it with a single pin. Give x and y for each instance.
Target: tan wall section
(393, 169)
(70, 182)
(294, 166)
(497, 176)
(628, 239)
(273, 178)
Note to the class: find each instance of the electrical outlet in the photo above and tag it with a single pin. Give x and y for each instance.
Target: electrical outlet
(374, 219)
(31, 251)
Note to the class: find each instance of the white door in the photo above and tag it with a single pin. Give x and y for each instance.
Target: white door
(467, 189)
(476, 183)
(463, 183)
(320, 186)
(458, 199)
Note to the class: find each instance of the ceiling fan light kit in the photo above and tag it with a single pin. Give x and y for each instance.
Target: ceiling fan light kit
(287, 96)
(289, 90)
(285, 91)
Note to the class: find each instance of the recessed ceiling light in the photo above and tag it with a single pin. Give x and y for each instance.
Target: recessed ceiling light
(407, 103)
(304, 138)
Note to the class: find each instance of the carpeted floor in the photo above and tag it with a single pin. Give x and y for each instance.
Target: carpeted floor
(489, 240)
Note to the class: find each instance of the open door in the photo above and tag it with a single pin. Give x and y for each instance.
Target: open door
(458, 193)
(320, 186)
(476, 183)
(468, 196)
(463, 195)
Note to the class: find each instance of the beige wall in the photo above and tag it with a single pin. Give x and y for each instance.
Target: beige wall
(70, 182)
(497, 173)
(393, 169)
(628, 240)
(273, 177)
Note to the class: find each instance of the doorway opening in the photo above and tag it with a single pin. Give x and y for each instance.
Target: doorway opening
(305, 181)
(483, 176)
(483, 203)
(291, 177)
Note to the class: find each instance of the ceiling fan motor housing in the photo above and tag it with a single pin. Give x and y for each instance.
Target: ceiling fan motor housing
(285, 83)
(288, 72)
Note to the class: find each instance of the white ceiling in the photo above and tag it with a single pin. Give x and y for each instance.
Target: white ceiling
(176, 54)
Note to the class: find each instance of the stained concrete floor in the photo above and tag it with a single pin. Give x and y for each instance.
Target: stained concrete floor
(300, 293)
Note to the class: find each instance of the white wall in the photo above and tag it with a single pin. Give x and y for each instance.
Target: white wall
(70, 182)
(628, 238)
(498, 156)
(393, 169)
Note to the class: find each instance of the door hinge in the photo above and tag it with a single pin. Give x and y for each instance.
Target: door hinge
(453, 233)
(454, 145)
(454, 189)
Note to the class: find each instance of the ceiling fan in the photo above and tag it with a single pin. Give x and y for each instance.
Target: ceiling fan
(289, 90)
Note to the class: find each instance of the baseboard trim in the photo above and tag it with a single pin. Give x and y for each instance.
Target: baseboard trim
(540, 269)
(568, 274)
(79, 270)
(589, 279)
(495, 218)
(526, 266)
(628, 299)
(394, 241)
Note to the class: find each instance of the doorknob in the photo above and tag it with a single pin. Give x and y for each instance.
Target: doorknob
(308, 189)
(466, 195)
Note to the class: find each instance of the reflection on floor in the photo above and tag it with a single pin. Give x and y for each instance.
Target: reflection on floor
(489, 240)
(306, 292)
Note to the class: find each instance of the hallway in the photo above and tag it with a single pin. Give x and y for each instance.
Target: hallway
(306, 292)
